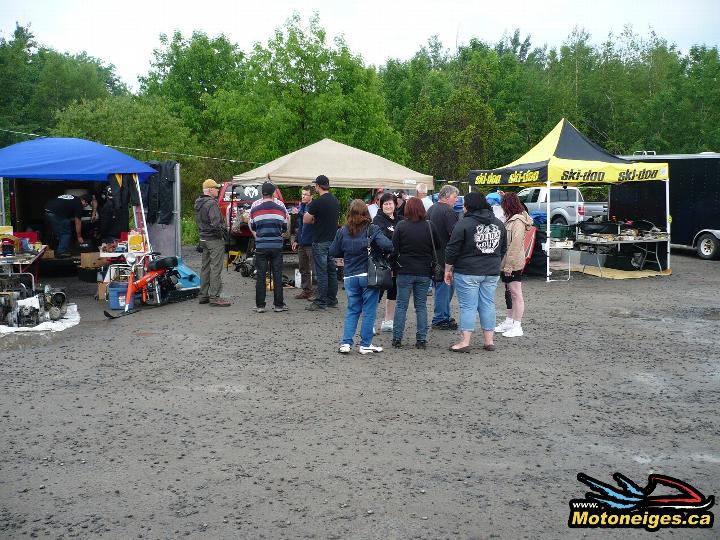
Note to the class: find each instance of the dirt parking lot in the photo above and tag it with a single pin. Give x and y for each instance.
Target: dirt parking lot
(207, 422)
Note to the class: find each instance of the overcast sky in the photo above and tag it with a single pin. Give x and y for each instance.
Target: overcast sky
(125, 32)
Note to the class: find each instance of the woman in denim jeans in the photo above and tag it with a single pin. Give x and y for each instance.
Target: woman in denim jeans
(351, 244)
(472, 260)
(413, 252)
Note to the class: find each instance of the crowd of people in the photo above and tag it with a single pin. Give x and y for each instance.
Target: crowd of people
(431, 248)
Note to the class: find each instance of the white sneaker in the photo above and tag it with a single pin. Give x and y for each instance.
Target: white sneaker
(344, 348)
(369, 349)
(515, 331)
(505, 325)
(386, 326)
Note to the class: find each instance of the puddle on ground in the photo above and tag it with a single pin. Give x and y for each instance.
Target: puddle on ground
(689, 314)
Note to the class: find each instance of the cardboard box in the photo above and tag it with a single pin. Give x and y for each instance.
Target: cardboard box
(102, 291)
(49, 254)
(92, 260)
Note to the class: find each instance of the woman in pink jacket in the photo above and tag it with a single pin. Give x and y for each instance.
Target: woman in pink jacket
(517, 223)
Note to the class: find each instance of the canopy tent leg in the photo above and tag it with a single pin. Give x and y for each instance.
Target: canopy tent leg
(547, 237)
(177, 212)
(2, 201)
(668, 220)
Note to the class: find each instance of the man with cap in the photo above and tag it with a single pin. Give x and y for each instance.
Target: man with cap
(62, 212)
(323, 212)
(213, 234)
(268, 222)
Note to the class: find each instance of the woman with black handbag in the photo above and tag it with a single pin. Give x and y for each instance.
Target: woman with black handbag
(360, 244)
(414, 253)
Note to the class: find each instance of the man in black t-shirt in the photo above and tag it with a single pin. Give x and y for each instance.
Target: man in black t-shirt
(61, 212)
(323, 213)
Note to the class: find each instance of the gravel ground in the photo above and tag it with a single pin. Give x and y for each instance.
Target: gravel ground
(205, 422)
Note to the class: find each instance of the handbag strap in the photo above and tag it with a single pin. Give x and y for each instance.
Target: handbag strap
(432, 240)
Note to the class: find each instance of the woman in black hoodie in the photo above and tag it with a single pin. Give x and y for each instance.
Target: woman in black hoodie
(387, 219)
(472, 260)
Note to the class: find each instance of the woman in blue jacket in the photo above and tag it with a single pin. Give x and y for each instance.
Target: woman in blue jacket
(351, 244)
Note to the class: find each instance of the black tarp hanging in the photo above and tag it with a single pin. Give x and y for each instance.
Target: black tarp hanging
(158, 197)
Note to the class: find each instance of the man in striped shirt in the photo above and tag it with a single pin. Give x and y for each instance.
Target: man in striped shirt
(268, 222)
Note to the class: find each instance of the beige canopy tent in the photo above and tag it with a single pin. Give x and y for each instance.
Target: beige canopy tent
(345, 166)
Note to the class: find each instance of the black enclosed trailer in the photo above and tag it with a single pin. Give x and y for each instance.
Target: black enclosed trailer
(694, 200)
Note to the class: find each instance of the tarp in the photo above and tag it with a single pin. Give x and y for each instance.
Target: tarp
(55, 158)
(565, 156)
(344, 165)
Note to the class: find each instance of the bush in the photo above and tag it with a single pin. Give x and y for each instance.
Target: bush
(190, 235)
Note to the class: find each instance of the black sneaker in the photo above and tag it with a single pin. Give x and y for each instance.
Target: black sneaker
(315, 307)
(397, 343)
(335, 305)
(279, 309)
(421, 344)
(446, 325)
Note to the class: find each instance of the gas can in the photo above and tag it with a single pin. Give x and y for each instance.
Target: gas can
(8, 247)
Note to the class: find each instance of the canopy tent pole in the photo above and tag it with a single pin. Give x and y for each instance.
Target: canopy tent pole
(547, 231)
(668, 220)
(2, 201)
(177, 214)
(141, 221)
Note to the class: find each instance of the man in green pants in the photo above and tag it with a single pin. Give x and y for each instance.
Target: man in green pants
(213, 233)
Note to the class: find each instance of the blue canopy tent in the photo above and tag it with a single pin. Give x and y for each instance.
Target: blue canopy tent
(51, 158)
(64, 159)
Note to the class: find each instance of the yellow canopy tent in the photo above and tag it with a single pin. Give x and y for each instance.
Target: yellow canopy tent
(566, 157)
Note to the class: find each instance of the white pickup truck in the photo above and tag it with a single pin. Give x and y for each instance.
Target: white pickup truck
(567, 205)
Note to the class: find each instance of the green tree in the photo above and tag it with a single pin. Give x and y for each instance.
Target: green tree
(146, 123)
(187, 71)
(37, 81)
(451, 138)
(297, 90)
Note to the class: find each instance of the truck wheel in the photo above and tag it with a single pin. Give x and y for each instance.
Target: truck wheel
(558, 220)
(708, 246)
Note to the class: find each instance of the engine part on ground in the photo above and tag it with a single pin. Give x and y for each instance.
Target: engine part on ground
(21, 305)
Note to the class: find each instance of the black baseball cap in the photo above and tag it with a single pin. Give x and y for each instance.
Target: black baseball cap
(323, 181)
(268, 188)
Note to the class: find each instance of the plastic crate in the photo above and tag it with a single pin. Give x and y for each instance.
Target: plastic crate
(562, 231)
(117, 291)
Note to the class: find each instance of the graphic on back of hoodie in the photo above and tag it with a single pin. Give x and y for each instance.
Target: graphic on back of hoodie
(487, 238)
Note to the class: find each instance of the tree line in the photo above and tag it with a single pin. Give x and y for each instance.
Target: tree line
(439, 112)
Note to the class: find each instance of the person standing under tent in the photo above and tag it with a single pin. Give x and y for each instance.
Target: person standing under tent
(323, 212)
(423, 196)
(387, 220)
(268, 222)
(518, 223)
(444, 218)
(303, 246)
(213, 234)
(401, 197)
(374, 205)
(63, 212)
(413, 243)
